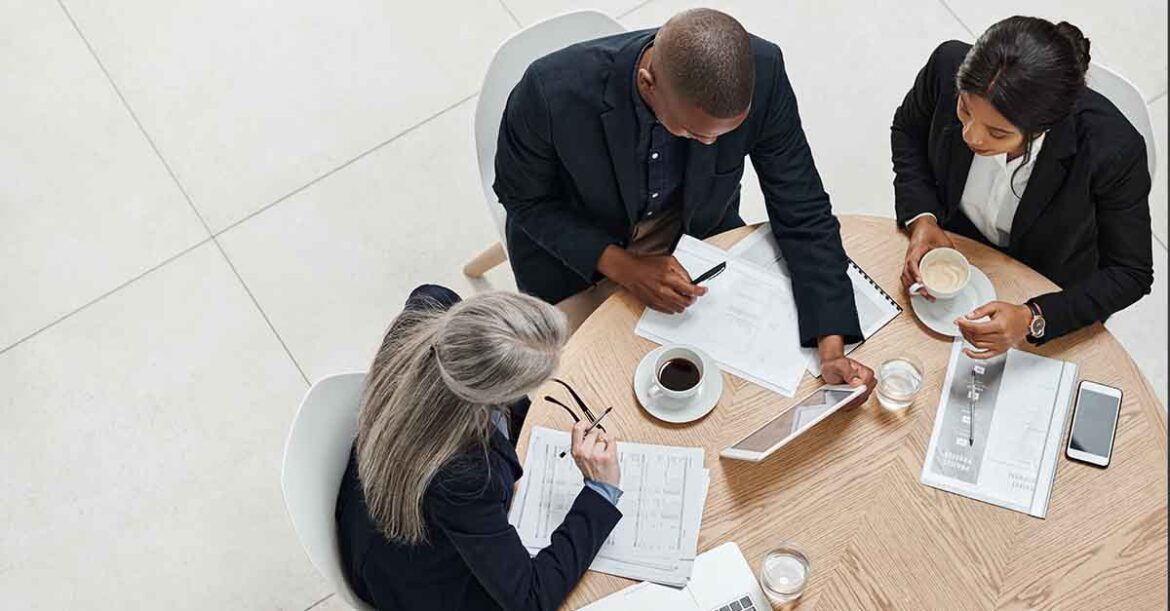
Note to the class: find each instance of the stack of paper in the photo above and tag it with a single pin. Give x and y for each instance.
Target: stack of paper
(998, 428)
(875, 308)
(665, 489)
(746, 321)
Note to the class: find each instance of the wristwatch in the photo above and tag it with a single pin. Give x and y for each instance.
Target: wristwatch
(1036, 327)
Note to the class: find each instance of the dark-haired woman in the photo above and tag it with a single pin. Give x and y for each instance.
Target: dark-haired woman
(1003, 142)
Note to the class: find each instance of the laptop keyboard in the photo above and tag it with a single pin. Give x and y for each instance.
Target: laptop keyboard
(741, 604)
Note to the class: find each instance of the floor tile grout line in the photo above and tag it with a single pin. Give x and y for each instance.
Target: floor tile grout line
(1157, 97)
(957, 18)
(314, 605)
(344, 165)
(637, 6)
(508, 10)
(1159, 241)
(106, 294)
(263, 314)
(134, 116)
(186, 196)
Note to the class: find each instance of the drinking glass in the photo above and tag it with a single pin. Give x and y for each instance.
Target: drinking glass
(784, 572)
(899, 380)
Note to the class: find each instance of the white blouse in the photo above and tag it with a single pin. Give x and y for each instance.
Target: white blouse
(988, 199)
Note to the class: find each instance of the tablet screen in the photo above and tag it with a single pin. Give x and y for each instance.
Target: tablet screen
(793, 421)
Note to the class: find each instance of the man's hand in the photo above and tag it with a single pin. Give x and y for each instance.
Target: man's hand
(925, 235)
(658, 281)
(1007, 328)
(836, 368)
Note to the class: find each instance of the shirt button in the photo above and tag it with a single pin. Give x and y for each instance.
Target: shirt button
(654, 155)
(654, 195)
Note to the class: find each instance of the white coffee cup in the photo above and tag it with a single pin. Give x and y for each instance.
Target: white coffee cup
(945, 273)
(681, 360)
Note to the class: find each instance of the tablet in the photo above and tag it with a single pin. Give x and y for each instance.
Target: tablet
(792, 423)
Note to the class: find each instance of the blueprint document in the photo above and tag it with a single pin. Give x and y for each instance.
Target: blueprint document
(998, 429)
(664, 491)
(746, 321)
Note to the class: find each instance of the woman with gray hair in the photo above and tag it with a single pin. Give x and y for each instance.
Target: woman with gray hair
(422, 514)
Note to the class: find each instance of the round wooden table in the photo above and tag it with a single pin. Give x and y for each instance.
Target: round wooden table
(848, 491)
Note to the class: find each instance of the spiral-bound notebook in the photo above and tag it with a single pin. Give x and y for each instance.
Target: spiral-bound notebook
(875, 307)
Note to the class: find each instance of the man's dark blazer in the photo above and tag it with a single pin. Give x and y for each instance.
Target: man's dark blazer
(474, 558)
(1083, 220)
(567, 173)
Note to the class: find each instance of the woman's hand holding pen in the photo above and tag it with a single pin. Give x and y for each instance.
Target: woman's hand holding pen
(596, 454)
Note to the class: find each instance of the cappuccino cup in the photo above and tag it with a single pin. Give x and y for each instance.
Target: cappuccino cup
(678, 375)
(945, 273)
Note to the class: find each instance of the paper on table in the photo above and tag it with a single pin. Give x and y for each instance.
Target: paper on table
(1021, 405)
(746, 321)
(665, 489)
(874, 307)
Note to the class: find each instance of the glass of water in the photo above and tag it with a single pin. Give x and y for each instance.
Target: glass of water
(899, 380)
(784, 573)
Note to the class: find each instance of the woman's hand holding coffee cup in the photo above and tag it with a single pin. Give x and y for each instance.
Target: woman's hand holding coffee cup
(1006, 327)
(925, 235)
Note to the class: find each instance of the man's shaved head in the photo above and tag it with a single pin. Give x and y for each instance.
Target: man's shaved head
(706, 57)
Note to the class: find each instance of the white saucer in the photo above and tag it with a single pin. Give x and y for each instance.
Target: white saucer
(940, 315)
(700, 405)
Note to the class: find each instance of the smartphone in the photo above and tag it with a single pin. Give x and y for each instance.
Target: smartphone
(1094, 424)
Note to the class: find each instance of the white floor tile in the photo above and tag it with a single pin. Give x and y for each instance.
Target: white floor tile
(141, 449)
(85, 203)
(850, 72)
(1141, 328)
(1128, 36)
(1158, 196)
(248, 101)
(332, 265)
(531, 11)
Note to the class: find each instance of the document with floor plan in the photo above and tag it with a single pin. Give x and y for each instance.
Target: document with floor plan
(998, 429)
(746, 321)
(875, 307)
(664, 491)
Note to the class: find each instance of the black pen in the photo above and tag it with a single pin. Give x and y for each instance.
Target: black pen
(711, 273)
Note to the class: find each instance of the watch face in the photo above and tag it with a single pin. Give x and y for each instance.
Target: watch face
(1037, 327)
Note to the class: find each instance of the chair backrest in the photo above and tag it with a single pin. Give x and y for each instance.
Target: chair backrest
(315, 457)
(507, 66)
(1126, 97)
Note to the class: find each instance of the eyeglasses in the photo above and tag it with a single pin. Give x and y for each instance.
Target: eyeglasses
(593, 420)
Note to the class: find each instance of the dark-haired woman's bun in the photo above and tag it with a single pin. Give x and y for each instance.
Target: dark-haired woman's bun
(1079, 42)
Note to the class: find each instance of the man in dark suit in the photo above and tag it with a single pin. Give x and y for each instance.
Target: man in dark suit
(610, 149)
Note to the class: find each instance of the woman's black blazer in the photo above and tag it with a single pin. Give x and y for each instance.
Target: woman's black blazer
(1083, 220)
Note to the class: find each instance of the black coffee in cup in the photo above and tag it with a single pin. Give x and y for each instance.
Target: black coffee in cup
(678, 374)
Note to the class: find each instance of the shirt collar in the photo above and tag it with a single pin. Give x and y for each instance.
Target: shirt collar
(1010, 166)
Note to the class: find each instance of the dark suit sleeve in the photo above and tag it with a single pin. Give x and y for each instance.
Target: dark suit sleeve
(915, 192)
(530, 189)
(1125, 271)
(802, 220)
(477, 525)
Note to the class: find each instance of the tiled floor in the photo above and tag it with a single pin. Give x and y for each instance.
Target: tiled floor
(208, 204)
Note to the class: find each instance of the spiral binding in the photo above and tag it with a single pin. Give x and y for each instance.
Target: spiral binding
(869, 279)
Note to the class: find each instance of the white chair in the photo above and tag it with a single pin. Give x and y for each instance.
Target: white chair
(507, 66)
(315, 456)
(1126, 97)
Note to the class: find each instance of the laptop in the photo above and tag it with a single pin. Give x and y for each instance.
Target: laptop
(722, 580)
